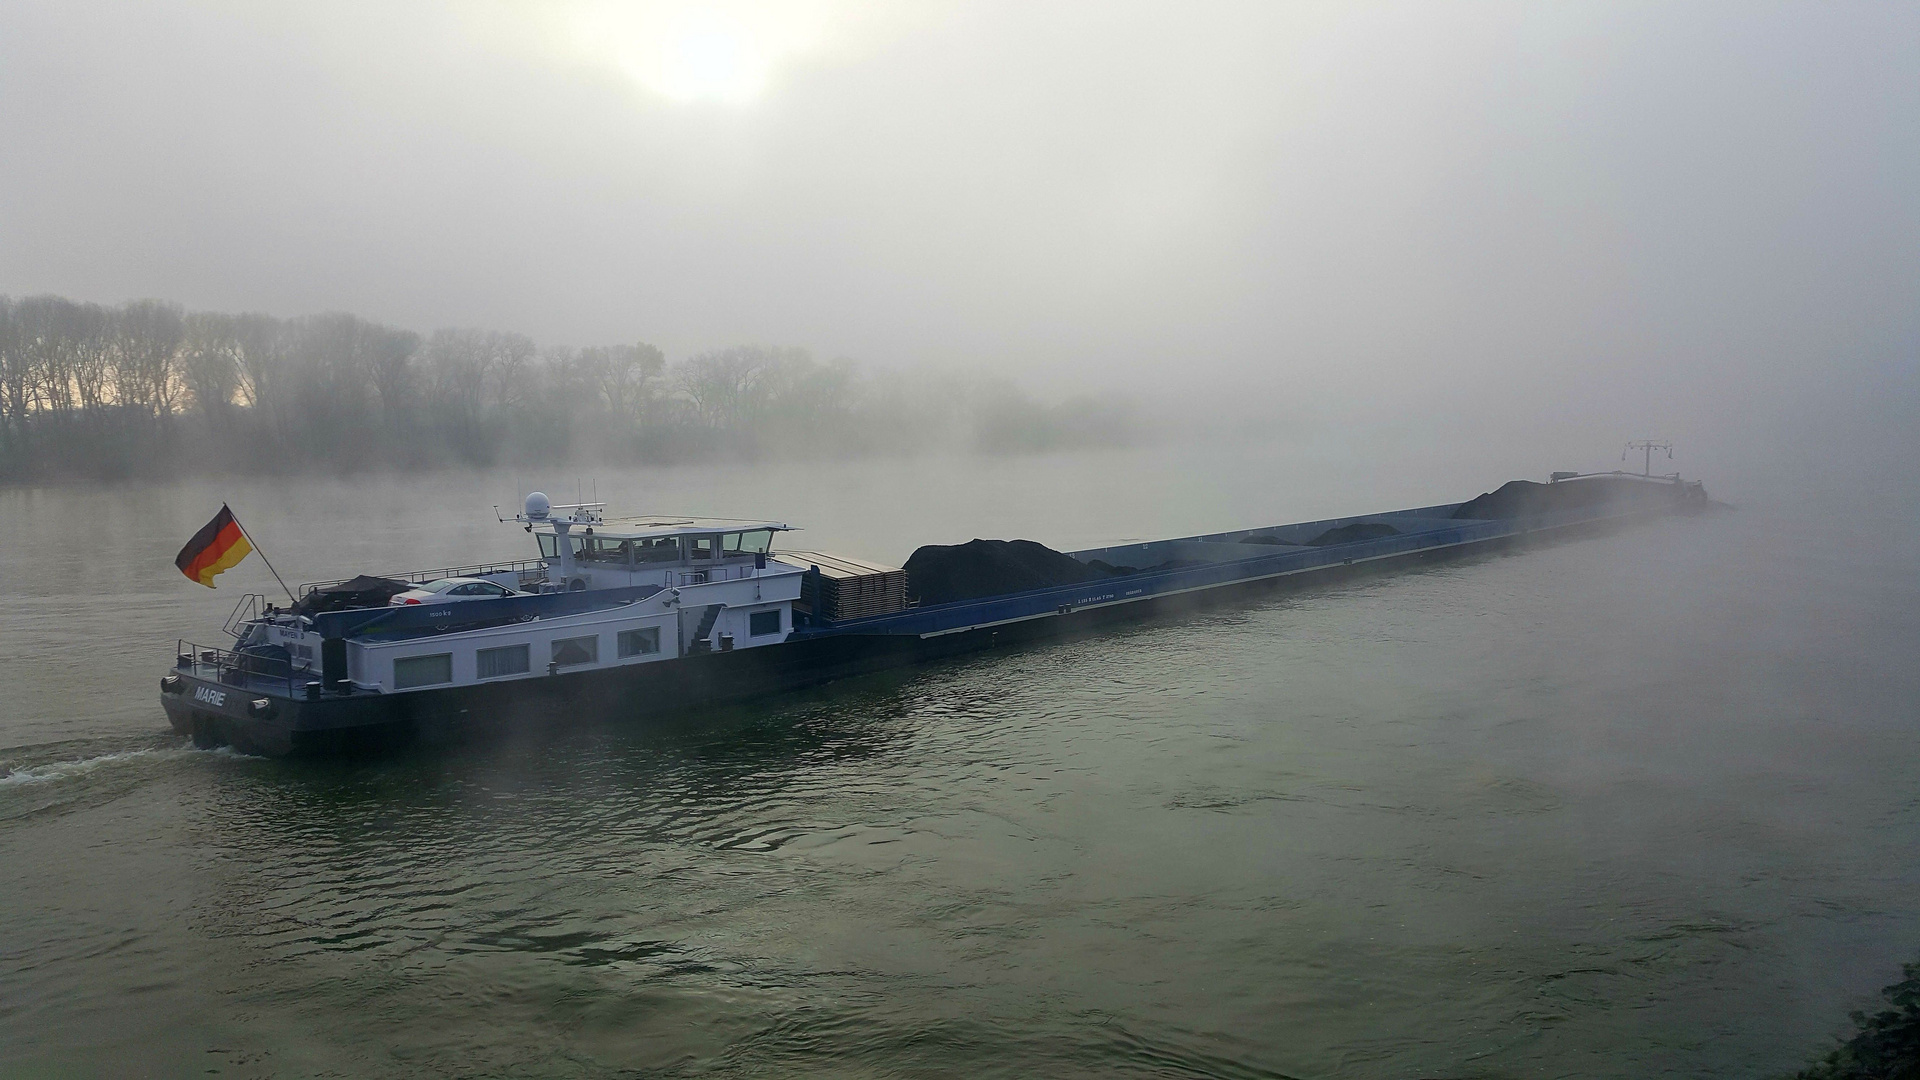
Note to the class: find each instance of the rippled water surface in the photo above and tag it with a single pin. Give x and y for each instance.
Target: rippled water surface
(1641, 804)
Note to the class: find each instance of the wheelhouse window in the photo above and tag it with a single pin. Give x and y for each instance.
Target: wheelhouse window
(702, 547)
(550, 545)
(578, 650)
(663, 549)
(506, 660)
(644, 641)
(412, 671)
(762, 623)
(603, 549)
(752, 542)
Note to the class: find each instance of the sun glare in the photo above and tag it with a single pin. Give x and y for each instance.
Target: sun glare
(726, 51)
(698, 52)
(714, 64)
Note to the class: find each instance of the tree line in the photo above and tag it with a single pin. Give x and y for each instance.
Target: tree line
(147, 387)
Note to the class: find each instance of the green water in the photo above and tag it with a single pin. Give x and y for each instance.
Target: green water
(1644, 804)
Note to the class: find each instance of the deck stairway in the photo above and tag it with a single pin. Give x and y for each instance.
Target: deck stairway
(707, 618)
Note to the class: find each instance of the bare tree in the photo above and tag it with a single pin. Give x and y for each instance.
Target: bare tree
(718, 383)
(63, 354)
(145, 347)
(509, 368)
(86, 390)
(388, 354)
(14, 381)
(260, 342)
(624, 377)
(210, 364)
(456, 365)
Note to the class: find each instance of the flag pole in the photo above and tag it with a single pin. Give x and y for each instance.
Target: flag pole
(263, 558)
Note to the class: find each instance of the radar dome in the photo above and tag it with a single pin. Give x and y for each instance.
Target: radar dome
(538, 505)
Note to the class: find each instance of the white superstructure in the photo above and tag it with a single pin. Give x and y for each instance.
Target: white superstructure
(636, 591)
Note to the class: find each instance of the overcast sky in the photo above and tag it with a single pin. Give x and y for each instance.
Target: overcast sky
(1646, 215)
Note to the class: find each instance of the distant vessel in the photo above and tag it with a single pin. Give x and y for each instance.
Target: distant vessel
(635, 616)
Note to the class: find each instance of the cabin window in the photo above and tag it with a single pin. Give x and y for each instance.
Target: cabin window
(412, 671)
(663, 549)
(756, 542)
(506, 660)
(642, 642)
(702, 547)
(576, 650)
(605, 550)
(762, 623)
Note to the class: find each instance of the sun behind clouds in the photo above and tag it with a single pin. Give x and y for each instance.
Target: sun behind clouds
(725, 52)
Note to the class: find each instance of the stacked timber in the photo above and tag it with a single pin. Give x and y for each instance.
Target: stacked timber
(848, 588)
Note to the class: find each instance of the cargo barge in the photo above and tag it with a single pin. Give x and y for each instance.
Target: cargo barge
(625, 618)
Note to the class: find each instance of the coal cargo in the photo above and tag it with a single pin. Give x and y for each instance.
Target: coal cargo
(1524, 498)
(942, 573)
(1348, 534)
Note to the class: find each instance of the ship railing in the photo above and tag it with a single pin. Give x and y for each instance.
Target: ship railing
(246, 611)
(682, 578)
(243, 670)
(528, 571)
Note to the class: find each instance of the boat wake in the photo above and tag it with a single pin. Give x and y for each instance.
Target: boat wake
(14, 774)
(62, 770)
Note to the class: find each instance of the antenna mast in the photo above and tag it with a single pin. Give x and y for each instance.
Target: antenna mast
(1649, 446)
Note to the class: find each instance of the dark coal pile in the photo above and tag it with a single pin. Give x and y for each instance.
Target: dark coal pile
(1522, 498)
(941, 574)
(362, 592)
(1347, 534)
(1108, 568)
(1267, 538)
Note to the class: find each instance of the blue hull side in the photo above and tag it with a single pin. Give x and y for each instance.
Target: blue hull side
(1433, 533)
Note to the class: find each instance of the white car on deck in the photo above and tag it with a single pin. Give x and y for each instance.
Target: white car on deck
(452, 588)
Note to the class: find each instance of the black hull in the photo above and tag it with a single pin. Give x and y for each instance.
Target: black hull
(363, 722)
(216, 714)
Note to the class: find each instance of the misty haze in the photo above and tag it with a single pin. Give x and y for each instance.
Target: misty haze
(718, 537)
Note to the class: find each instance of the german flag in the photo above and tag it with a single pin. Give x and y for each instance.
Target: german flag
(214, 550)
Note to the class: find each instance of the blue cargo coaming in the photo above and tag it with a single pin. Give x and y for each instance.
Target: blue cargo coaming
(401, 620)
(964, 615)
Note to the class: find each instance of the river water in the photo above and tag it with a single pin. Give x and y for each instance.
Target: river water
(1641, 804)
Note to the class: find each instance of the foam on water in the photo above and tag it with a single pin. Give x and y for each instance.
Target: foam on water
(76, 768)
(67, 770)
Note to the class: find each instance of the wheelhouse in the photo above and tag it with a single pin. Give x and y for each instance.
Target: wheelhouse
(672, 552)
